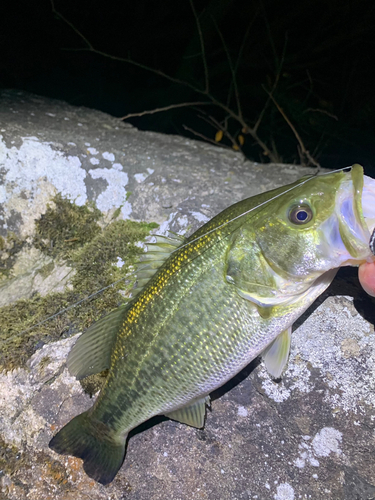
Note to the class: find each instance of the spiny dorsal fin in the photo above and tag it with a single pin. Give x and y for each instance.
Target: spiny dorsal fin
(157, 253)
(191, 415)
(276, 355)
(92, 351)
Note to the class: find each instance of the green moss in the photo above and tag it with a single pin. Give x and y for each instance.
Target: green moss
(11, 245)
(65, 227)
(116, 213)
(46, 270)
(94, 258)
(44, 362)
(93, 383)
(10, 457)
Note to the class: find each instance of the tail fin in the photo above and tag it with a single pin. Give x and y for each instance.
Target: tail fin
(83, 438)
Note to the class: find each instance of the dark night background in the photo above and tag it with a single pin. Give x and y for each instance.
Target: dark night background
(316, 57)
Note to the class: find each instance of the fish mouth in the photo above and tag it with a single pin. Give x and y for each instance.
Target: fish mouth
(347, 232)
(356, 214)
(368, 206)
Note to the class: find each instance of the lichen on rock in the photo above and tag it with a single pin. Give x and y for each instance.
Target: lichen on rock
(74, 238)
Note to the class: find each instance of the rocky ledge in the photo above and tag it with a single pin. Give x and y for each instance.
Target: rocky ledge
(79, 194)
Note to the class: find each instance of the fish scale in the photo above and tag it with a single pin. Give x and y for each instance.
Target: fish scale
(152, 354)
(230, 292)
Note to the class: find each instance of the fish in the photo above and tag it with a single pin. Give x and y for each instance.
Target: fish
(366, 271)
(207, 305)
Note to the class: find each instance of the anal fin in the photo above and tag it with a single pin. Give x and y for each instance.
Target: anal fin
(276, 355)
(191, 415)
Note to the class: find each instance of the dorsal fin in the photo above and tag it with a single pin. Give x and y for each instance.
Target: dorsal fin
(92, 351)
(157, 253)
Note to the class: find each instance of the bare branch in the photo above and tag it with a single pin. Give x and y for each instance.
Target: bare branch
(142, 66)
(236, 116)
(165, 108)
(239, 55)
(278, 73)
(261, 114)
(203, 50)
(323, 111)
(232, 70)
(301, 144)
(269, 33)
(302, 150)
(89, 46)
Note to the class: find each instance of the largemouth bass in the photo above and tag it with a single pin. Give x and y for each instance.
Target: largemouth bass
(209, 304)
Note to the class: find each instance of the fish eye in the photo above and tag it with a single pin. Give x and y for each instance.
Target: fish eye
(300, 214)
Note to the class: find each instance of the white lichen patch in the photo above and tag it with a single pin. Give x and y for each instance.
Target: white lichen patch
(15, 389)
(119, 262)
(242, 411)
(298, 379)
(55, 354)
(275, 391)
(183, 223)
(140, 177)
(284, 492)
(115, 193)
(108, 156)
(93, 151)
(34, 173)
(26, 428)
(165, 226)
(141, 244)
(200, 217)
(342, 346)
(325, 442)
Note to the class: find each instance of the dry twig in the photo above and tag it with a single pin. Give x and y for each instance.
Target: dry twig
(303, 152)
(165, 108)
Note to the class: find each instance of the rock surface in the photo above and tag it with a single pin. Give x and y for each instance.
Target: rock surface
(311, 435)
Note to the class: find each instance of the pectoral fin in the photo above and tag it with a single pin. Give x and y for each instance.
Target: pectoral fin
(276, 355)
(191, 415)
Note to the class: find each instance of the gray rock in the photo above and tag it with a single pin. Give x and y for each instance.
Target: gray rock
(311, 435)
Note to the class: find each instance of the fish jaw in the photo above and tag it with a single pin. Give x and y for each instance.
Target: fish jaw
(346, 233)
(368, 206)
(366, 271)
